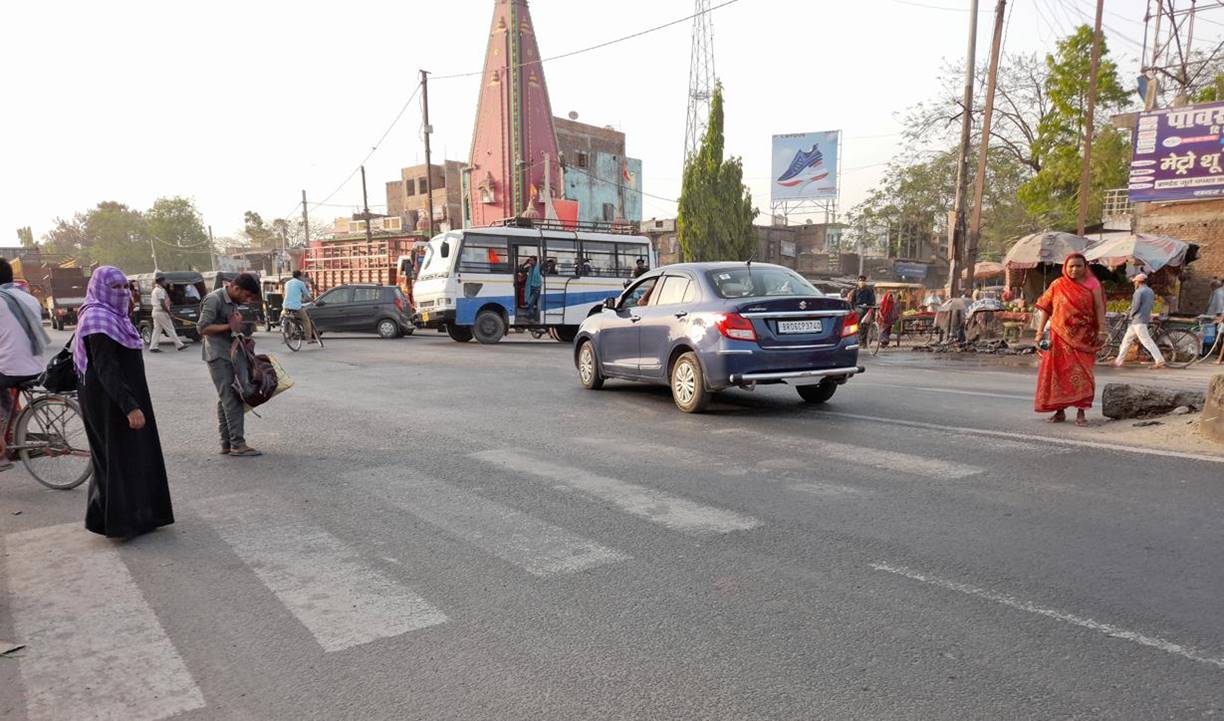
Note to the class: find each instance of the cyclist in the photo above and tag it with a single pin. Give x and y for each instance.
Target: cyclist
(22, 341)
(296, 294)
(863, 300)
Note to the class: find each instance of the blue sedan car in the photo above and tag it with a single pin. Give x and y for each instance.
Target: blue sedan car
(704, 327)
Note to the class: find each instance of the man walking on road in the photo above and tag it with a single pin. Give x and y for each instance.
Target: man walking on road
(296, 294)
(1140, 316)
(162, 322)
(219, 321)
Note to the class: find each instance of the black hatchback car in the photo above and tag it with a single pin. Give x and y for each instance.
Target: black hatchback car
(361, 308)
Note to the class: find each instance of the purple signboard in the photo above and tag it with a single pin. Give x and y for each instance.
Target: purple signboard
(1177, 154)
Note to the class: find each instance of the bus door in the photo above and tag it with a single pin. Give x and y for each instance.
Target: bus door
(521, 249)
(560, 256)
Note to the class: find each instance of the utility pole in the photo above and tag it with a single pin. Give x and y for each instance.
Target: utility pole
(1086, 173)
(305, 227)
(427, 129)
(979, 182)
(365, 204)
(212, 249)
(962, 164)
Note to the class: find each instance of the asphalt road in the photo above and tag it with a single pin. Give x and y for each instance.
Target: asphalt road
(440, 531)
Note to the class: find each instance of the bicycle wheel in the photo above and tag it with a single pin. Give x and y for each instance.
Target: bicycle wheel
(292, 333)
(871, 341)
(1180, 347)
(52, 442)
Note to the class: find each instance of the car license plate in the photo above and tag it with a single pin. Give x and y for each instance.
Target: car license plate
(424, 317)
(799, 326)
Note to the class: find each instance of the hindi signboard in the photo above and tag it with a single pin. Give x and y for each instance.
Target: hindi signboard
(804, 166)
(1177, 154)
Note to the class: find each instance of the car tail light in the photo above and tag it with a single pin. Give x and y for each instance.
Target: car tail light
(850, 324)
(736, 327)
(399, 302)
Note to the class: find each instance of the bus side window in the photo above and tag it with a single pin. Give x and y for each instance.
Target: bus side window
(565, 253)
(602, 257)
(484, 254)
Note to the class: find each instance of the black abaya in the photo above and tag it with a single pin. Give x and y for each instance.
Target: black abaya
(128, 493)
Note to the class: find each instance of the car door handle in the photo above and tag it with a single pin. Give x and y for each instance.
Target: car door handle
(682, 314)
(634, 318)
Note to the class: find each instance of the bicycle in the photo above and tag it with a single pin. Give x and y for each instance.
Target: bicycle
(293, 331)
(1180, 347)
(47, 432)
(869, 329)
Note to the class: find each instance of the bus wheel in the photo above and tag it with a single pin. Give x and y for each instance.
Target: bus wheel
(489, 327)
(459, 333)
(565, 333)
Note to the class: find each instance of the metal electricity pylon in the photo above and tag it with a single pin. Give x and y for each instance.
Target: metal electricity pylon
(701, 78)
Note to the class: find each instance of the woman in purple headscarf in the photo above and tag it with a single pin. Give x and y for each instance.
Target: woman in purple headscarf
(128, 494)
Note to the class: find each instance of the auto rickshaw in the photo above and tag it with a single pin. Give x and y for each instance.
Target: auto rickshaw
(273, 291)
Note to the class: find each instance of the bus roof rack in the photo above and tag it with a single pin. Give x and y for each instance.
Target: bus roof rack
(625, 228)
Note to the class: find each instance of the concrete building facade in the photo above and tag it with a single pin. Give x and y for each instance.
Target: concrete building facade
(1200, 222)
(407, 198)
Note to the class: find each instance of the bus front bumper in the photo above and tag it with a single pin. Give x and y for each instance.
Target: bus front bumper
(433, 318)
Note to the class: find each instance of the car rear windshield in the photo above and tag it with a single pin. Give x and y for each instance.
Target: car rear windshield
(757, 282)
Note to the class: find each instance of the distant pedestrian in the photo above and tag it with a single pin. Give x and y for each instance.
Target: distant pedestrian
(163, 322)
(128, 491)
(1139, 316)
(889, 312)
(218, 324)
(135, 313)
(1073, 308)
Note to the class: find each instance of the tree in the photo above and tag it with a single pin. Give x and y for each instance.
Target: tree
(67, 237)
(715, 217)
(257, 232)
(178, 232)
(1052, 194)
(26, 236)
(114, 234)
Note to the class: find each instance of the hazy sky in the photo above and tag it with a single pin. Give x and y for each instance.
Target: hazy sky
(240, 105)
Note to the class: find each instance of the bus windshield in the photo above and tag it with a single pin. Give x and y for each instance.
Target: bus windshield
(434, 263)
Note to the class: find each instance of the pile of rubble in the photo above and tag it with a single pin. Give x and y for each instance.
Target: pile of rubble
(989, 347)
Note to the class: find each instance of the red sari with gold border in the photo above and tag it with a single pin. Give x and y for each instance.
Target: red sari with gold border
(1066, 378)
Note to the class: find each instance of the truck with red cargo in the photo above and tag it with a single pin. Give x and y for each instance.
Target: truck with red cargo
(66, 296)
(381, 261)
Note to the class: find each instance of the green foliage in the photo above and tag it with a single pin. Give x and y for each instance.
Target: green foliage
(258, 233)
(114, 234)
(715, 217)
(1212, 92)
(26, 236)
(1052, 195)
(179, 235)
(1068, 73)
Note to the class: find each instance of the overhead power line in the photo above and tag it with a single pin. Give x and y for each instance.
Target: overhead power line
(605, 44)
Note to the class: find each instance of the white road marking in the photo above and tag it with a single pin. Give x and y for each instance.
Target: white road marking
(860, 455)
(828, 490)
(1088, 623)
(326, 585)
(954, 391)
(537, 547)
(95, 649)
(1100, 445)
(676, 513)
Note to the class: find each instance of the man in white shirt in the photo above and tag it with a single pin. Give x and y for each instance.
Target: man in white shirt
(163, 324)
(22, 341)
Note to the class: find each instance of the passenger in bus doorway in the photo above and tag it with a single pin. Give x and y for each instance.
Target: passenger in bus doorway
(535, 281)
(640, 268)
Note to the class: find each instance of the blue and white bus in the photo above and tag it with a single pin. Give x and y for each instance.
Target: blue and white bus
(474, 282)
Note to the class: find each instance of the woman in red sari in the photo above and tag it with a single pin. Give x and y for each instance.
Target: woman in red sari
(1073, 308)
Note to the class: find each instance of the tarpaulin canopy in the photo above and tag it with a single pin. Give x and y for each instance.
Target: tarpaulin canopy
(1046, 247)
(988, 269)
(1153, 252)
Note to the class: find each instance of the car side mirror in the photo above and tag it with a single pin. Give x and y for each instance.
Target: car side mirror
(445, 249)
(610, 303)
(320, 303)
(627, 282)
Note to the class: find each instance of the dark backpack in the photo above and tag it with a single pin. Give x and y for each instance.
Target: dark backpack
(255, 377)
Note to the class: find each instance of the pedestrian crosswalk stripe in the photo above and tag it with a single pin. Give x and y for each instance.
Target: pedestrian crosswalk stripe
(673, 512)
(94, 646)
(858, 455)
(537, 547)
(325, 584)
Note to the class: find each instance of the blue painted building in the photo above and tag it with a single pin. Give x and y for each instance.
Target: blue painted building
(606, 184)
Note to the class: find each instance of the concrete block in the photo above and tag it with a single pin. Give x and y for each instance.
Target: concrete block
(1212, 423)
(1132, 400)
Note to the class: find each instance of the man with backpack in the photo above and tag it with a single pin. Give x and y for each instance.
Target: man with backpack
(219, 324)
(22, 341)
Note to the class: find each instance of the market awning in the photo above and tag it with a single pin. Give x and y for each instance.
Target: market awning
(1153, 252)
(988, 269)
(1046, 247)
